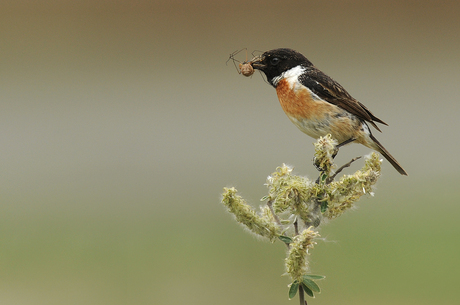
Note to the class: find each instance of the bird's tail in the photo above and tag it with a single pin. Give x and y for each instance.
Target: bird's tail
(379, 147)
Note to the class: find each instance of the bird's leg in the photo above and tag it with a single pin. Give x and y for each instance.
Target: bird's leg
(340, 145)
(345, 142)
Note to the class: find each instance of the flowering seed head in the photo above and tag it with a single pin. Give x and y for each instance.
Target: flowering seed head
(342, 194)
(296, 261)
(291, 194)
(324, 150)
(246, 215)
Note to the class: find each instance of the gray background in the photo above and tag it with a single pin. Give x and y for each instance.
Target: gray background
(120, 124)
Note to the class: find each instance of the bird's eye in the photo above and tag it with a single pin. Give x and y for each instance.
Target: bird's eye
(274, 61)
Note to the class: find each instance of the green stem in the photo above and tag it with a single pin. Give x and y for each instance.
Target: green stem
(301, 296)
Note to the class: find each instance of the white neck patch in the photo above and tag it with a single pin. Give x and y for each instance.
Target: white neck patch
(291, 75)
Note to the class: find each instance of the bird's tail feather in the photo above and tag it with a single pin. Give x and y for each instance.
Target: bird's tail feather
(388, 156)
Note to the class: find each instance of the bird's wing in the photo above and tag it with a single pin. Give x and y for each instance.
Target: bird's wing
(331, 91)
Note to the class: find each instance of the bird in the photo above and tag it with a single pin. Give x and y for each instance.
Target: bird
(317, 104)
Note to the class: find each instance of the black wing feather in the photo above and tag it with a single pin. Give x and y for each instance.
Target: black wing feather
(331, 91)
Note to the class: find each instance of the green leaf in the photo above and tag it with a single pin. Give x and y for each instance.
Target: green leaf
(313, 277)
(323, 177)
(307, 290)
(264, 198)
(293, 289)
(285, 239)
(324, 205)
(311, 284)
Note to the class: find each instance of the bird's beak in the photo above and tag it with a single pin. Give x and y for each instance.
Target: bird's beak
(257, 63)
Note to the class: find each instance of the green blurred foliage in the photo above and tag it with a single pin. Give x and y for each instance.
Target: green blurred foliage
(399, 252)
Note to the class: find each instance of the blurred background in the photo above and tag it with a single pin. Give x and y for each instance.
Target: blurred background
(121, 123)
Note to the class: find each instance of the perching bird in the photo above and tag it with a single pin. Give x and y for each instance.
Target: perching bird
(317, 104)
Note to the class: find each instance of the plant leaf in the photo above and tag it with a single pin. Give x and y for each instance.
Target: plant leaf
(311, 284)
(313, 277)
(324, 205)
(307, 290)
(323, 177)
(285, 239)
(293, 289)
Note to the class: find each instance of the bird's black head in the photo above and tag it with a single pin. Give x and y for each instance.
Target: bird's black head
(274, 62)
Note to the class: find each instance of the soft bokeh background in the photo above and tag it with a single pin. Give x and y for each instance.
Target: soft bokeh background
(121, 123)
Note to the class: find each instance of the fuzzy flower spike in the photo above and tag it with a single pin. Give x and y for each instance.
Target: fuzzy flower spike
(296, 206)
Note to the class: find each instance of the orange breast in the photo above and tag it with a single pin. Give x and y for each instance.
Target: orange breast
(297, 102)
(314, 116)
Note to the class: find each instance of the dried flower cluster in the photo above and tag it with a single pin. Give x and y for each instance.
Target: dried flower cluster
(296, 205)
(296, 261)
(259, 224)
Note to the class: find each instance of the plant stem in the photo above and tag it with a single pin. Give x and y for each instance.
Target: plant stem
(301, 296)
(331, 178)
(270, 206)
